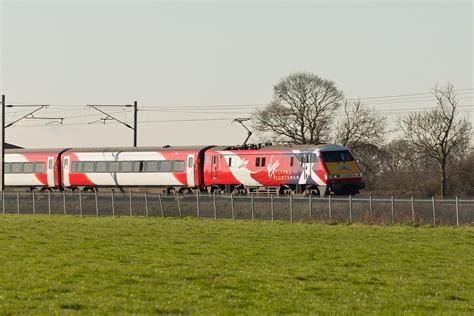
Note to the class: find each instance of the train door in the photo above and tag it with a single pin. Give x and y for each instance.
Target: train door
(50, 172)
(214, 167)
(306, 165)
(190, 177)
(66, 171)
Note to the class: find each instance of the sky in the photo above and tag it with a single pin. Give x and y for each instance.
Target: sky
(194, 66)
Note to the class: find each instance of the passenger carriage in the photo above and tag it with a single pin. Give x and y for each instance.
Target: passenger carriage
(174, 168)
(33, 168)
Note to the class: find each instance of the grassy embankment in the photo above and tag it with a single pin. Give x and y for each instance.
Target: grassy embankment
(62, 264)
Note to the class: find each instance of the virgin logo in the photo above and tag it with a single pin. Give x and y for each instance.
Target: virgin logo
(272, 167)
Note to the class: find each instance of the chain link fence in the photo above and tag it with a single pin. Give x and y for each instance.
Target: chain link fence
(367, 210)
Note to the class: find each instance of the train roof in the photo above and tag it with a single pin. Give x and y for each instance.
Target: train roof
(34, 150)
(306, 147)
(139, 149)
(106, 149)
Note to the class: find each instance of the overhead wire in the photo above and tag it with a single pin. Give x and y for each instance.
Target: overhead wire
(399, 97)
(130, 122)
(235, 108)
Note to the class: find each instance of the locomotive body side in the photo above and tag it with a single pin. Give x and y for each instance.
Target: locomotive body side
(319, 168)
(32, 169)
(130, 168)
(262, 168)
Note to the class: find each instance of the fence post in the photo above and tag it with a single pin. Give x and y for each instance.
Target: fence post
(310, 207)
(291, 207)
(457, 211)
(18, 202)
(392, 209)
(214, 202)
(370, 209)
(3, 201)
(80, 202)
(130, 197)
(412, 210)
(232, 206)
(252, 202)
(64, 201)
(96, 203)
(146, 204)
(161, 205)
(34, 202)
(350, 209)
(198, 211)
(434, 212)
(272, 206)
(112, 195)
(49, 202)
(330, 208)
(179, 204)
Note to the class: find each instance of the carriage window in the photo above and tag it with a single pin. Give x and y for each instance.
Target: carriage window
(50, 164)
(313, 158)
(16, 167)
(28, 167)
(8, 167)
(151, 166)
(165, 166)
(101, 166)
(179, 165)
(230, 161)
(263, 161)
(113, 166)
(138, 166)
(257, 162)
(291, 162)
(88, 166)
(80, 166)
(39, 167)
(125, 166)
(190, 162)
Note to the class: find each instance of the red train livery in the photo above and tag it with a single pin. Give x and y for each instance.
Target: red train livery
(298, 168)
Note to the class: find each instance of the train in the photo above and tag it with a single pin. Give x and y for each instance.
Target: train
(307, 169)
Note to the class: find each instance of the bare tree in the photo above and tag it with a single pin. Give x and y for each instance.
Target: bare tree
(439, 133)
(360, 125)
(302, 109)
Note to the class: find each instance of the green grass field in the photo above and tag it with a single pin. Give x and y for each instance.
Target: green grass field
(69, 265)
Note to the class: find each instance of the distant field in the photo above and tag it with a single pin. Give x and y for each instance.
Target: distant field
(65, 264)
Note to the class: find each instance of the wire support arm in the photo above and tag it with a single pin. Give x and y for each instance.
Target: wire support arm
(110, 117)
(27, 116)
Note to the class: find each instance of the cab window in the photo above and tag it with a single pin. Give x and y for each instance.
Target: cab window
(337, 156)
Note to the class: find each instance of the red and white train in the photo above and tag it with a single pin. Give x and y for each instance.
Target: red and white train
(320, 169)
